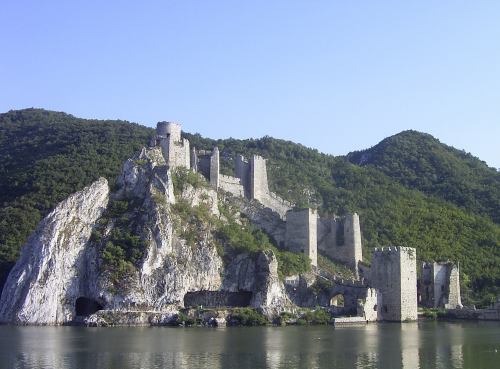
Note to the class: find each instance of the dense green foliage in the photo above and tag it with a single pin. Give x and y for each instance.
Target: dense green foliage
(247, 317)
(418, 160)
(44, 157)
(419, 194)
(315, 317)
(122, 249)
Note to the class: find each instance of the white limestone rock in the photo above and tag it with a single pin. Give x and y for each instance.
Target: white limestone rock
(60, 264)
(170, 268)
(259, 275)
(45, 282)
(202, 195)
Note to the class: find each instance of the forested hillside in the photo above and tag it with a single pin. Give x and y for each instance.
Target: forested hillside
(45, 155)
(418, 160)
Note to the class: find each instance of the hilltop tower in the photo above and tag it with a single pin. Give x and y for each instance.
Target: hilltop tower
(394, 274)
(301, 233)
(215, 168)
(175, 149)
(258, 178)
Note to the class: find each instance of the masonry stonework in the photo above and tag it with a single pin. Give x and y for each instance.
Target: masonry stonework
(215, 168)
(301, 233)
(389, 291)
(175, 149)
(394, 274)
(439, 285)
(340, 239)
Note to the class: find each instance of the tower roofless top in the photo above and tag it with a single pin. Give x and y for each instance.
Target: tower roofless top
(171, 129)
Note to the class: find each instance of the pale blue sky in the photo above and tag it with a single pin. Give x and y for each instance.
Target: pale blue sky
(334, 75)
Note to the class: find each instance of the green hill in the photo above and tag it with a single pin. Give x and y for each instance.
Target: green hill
(418, 160)
(45, 156)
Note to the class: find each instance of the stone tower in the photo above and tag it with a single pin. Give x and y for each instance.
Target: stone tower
(175, 149)
(258, 178)
(215, 168)
(242, 171)
(340, 239)
(301, 233)
(394, 274)
(353, 253)
(439, 285)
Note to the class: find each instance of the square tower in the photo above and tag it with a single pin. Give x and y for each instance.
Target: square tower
(394, 274)
(259, 189)
(301, 233)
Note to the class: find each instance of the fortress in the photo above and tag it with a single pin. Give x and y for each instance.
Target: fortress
(388, 289)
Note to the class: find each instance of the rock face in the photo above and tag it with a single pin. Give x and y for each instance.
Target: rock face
(45, 282)
(62, 275)
(171, 267)
(259, 275)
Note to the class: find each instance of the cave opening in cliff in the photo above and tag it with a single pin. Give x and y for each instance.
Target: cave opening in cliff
(216, 299)
(85, 306)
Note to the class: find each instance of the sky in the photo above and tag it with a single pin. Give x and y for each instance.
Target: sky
(337, 76)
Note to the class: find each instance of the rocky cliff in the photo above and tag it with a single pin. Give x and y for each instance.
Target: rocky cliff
(49, 276)
(136, 249)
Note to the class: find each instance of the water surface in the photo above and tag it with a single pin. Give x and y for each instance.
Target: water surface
(385, 346)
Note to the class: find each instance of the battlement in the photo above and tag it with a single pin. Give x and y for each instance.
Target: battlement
(350, 282)
(393, 249)
(175, 149)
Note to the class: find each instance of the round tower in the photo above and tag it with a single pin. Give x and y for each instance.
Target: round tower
(171, 129)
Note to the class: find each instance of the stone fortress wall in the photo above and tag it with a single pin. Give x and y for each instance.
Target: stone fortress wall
(250, 178)
(390, 282)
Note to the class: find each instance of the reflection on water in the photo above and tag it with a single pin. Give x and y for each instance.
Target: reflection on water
(411, 345)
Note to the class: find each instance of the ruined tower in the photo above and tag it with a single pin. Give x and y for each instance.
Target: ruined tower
(175, 149)
(301, 233)
(258, 178)
(394, 274)
(215, 168)
(439, 285)
(340, 239)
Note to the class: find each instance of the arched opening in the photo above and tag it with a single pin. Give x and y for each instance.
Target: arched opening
(85, 306)
(337, 300)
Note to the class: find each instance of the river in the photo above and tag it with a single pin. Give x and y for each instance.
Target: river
(411, 345)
